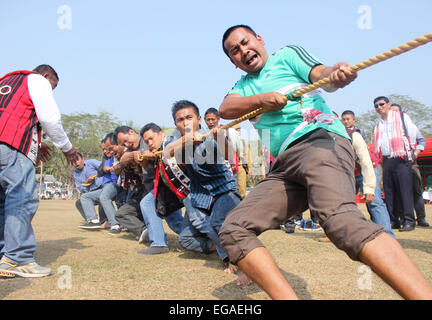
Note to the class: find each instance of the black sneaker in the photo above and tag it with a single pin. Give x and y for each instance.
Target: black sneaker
(395, 226)
(289, 227)
(407, 227)
(422, 222)
(90, 225)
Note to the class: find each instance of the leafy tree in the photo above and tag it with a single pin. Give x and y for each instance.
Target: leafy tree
(85, 131)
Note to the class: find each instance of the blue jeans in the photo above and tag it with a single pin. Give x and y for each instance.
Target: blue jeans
(378, 210)
(201, 230)
(154, 222)
(18, 204)
(105, 197)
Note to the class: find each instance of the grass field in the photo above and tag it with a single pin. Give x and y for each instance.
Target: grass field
(89, 265)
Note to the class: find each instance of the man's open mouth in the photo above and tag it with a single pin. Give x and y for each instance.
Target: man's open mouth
(251, 59)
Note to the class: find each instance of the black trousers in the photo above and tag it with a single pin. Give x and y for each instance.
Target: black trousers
(129, 215)
(419, 206)
(398, 186)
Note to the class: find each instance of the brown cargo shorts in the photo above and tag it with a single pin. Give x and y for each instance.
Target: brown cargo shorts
(315, 173)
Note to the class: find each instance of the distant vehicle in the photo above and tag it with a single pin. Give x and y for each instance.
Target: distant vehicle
(51, 190)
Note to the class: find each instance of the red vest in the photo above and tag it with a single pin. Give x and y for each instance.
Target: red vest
(19, 127)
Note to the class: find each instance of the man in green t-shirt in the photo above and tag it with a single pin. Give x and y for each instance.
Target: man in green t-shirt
(314, 168)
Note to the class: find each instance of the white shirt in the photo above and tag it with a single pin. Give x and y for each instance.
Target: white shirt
(48, 114)
(412, 134)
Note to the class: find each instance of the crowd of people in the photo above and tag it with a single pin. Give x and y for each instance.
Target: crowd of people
(195, 179)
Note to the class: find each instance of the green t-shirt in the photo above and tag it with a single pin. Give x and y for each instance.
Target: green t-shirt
(285, 71)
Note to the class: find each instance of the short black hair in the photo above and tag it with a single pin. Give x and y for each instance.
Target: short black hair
(122, 129)
(108, 136)
(230, 30)
(182, 104)
(44, 68)
(212, 111)
(80, 155)
(381, 98)
(348, 112)
(150, 126)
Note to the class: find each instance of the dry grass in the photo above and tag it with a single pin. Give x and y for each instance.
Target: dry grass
(108, 267)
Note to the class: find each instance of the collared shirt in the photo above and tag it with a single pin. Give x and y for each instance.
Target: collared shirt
(416, 139)
(207, 171)
(81, 176)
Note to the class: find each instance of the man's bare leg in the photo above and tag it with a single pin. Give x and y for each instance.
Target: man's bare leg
(262, 269)
(387, 258)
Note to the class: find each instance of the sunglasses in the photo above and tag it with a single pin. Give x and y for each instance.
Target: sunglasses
(380, 104)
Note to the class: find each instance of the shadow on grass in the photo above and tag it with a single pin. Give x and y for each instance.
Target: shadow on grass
(424, 246)
(421, 245)
(314, 235)
(231, 291)
(47, 252)
(8, 286)
(50, 250)
(210, 260)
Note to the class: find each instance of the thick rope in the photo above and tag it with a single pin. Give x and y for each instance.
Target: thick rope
(296, 95)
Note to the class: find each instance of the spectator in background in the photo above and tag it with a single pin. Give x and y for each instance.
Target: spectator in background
(393, 142)
(367, 167)
(419, 207)
(245, 165)
(267, 161)
(348, 119)
(212, 118)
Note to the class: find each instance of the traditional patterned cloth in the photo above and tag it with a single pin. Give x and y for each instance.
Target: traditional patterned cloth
(393, 128)
(311, 115)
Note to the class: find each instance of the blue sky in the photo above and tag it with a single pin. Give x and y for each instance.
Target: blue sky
(135, 58)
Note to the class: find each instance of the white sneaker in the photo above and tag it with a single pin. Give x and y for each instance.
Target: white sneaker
(30, 270)
(115, 230)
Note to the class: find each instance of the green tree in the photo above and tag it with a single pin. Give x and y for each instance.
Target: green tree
(85, 131)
